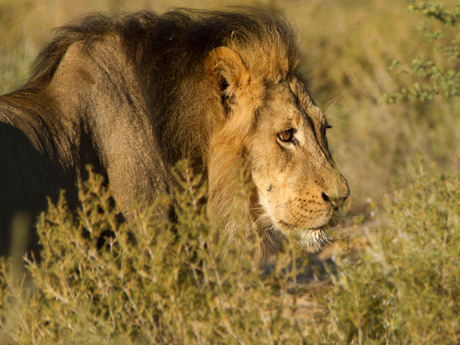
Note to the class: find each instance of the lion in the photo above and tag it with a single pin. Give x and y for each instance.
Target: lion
(133, 94)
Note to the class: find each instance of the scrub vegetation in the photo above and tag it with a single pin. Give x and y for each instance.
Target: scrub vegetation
(387, 74)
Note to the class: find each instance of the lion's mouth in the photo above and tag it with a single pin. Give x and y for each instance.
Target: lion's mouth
(333, 221)
(292, 226)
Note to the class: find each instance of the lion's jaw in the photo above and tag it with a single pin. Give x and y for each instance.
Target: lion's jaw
(308, 234)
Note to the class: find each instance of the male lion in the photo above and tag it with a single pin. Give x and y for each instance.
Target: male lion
(133, 94)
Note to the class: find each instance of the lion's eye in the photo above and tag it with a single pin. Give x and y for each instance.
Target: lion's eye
(286, 135)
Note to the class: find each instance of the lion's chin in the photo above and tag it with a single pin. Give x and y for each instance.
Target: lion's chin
(310, 238)
(314, 238)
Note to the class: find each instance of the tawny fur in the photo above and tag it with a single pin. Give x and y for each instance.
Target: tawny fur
(134, 94)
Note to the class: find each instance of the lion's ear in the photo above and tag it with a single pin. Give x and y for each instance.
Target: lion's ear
(227, 72)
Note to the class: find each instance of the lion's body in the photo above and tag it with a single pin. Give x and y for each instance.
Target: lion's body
(133, 95)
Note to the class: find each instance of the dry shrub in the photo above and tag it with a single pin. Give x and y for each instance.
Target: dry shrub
(406, 287)
(152, 281)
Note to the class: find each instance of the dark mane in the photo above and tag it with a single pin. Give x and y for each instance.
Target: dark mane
(168, 53)
(188, 33)
(88, 28)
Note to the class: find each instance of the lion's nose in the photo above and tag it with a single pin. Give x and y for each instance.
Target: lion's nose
(336, 191)
(336, 201)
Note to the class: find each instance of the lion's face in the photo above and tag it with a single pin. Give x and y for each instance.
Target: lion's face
(298, 185)
(274, 123)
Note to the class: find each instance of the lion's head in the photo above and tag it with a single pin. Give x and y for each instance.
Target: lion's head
(273, 123)
(133, 94)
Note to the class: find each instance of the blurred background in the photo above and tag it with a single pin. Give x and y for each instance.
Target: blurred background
(347, 47)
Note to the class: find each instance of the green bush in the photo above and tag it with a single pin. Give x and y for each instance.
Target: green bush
(406, 287)
(442, 78)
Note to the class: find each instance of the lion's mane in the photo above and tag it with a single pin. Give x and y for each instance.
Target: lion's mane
(168, 54)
